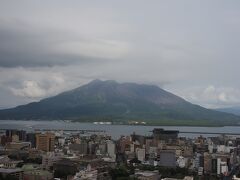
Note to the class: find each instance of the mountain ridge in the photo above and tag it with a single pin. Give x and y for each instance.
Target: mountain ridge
(232, 110)
(118, 102)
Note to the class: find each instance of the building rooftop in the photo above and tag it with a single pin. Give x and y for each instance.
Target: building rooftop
(39, 172)
(8, 171)
(29, 167)
(147, 173)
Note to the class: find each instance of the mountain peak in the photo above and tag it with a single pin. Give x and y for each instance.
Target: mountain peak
(109, 99)
(99, 81)
(95, 81)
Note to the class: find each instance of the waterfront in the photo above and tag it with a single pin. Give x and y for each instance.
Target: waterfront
(114, 130)
(60, 148)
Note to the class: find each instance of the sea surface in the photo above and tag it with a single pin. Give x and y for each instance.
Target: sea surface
(114, 130)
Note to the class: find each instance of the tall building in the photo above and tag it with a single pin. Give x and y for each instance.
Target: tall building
(214, 165)
(138, 138)
(11, 132)
(111, 149)
(167, 158)
(166, 135)
(31, 137)
(141, 154)
(45, 142)
(21, 134)
(207, 163)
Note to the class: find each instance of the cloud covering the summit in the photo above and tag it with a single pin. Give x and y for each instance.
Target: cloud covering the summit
(188, 47)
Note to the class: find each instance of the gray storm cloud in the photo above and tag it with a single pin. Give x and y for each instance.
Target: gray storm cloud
(26, 46)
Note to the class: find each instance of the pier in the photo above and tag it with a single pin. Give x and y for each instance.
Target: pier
(196, 132)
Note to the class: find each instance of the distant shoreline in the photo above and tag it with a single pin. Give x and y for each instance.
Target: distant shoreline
(173, 123)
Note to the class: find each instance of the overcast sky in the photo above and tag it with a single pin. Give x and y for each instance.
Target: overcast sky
(191, 48)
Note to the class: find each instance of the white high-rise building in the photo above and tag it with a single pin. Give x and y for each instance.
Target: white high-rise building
(111, 149)
(140, 154)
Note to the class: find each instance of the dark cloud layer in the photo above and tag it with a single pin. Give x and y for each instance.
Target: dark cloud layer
(31, 47)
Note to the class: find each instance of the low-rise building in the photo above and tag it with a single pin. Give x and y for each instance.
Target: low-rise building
(147, 175)
(37, 174)
(49, 159)
(12, 172)
(88, 174)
